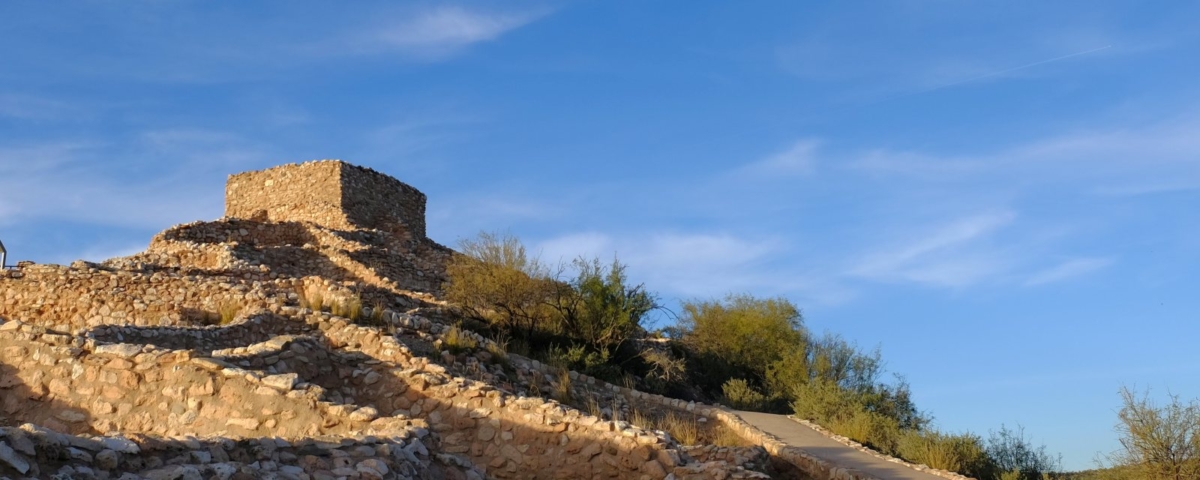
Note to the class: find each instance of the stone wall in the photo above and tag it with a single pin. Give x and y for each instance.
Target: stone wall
(270, 250)
(339, 378)
(76, 386)
(331, 193)
(83, 296)
(33, 451)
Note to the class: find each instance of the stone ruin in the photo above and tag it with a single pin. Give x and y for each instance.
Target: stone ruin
(298, 338)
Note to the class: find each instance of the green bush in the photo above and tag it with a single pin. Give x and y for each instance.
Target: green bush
(495, 281)
(868, 428)
(738, 337)
(746, 332)
(581, 359)
(1158, 441)
(598, 307)
(824, 402)
(1016, 457)
(740, 395)
(963, 453)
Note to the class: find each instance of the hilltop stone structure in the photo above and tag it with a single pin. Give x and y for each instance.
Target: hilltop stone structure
(332, 194)
(299, 338)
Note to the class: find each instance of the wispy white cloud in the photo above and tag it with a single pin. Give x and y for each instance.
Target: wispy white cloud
(1068, 269)
(156, 184)
(799, 158)
(441, 31)
(951, 255)
(688, 265)
(1111, 161)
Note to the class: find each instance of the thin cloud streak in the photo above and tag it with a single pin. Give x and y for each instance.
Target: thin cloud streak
(442, 31)
(798, 159)
(1005, 71)
(1068, 269)
(944, 256)
(700, 265)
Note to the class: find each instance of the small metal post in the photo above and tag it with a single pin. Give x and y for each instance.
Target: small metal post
(3, 257)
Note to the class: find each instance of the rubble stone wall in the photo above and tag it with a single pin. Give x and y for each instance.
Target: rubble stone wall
(74, 386)
(82, 296)
(512, 437)
(328, 192)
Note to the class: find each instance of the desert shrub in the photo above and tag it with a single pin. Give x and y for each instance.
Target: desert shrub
(1016, 458)
(963, 453)
(581, 359)
(496, 281)
(824, 402)
(739, 336)
(1158, 441)
(457, 340)
(867, 428)
(598, 308)
(740, 395)
(662, 369)
(832, 375)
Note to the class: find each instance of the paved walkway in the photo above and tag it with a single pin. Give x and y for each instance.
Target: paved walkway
(795, 434)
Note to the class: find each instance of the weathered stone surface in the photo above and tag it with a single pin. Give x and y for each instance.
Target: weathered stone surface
(283, 382)
(13, 459)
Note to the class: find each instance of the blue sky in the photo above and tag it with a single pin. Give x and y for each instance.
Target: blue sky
(1001, 195)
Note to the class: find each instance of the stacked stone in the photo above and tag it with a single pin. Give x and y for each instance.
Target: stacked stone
(511, 435)
(70, 385)
(248, 328)
(754, 458)
(81, 296)
(33, 451)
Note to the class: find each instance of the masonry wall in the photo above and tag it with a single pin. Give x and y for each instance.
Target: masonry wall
(310, 191)
(74, 387)
(331, 193)
(181, 416)
(81, 297)
(374, 200)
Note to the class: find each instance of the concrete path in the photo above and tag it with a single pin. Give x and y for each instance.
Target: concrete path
(795, 434)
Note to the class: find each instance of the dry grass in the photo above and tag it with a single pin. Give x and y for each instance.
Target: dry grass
(723, 436)
(351, 308)
(683, 428)
(228, 310)
(315, 301)
(498, 348)
(377, 314)
(593, 408)
(562, 391)
(458, 341)
(637, 417)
